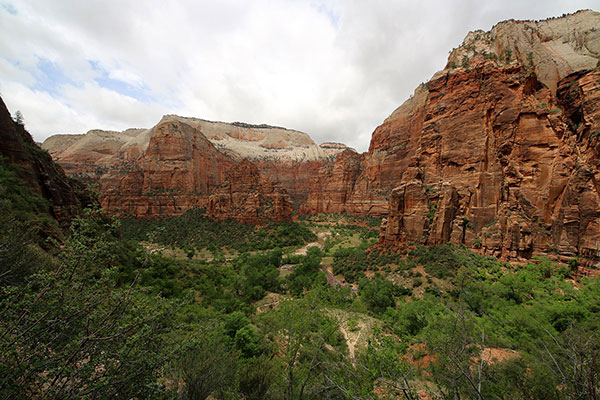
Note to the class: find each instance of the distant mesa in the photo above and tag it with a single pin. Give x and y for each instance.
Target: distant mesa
(332, 149)
(189, 162)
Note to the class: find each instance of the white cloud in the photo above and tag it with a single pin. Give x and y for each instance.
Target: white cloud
(43, 114)
(128, 77)
(332, 68)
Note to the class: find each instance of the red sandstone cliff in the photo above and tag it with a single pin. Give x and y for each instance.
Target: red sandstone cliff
(551, 49)
(487, 154)
(501, 163)
(242, 171)
(181, 169)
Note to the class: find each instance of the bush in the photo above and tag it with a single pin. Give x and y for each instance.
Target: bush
(377, 294)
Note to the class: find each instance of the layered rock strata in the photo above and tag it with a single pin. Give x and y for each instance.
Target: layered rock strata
(181, 169)
(553, 48)
(502, 164)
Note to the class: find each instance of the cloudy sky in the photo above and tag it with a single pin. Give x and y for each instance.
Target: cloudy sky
(334, 69)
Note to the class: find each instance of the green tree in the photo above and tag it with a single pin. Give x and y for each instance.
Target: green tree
(19, 118)
(72, 333)
(247, 341)
(207, 367)
(258, 378)
(306, 275)
(311, 340)
(377, 294)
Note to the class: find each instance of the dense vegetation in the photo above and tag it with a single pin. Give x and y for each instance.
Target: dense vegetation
(194, 230)
(19, 201)
(98, 316)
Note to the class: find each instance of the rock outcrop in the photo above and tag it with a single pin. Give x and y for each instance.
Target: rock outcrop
(332, 149)
(492, 155)
(502, 164)
(248, 196)
(36, 168)
(554, 48)
(181, 169)
(181, 162)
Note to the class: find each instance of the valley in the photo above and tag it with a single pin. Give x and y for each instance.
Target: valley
(457, 258)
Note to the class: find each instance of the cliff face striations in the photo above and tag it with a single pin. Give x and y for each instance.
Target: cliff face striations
(553, 48)
(493, 156)
(445, 116)
(246, 172)
(503, 164)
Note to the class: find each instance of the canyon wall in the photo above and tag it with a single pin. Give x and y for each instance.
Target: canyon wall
(503, 165)
(498, 151)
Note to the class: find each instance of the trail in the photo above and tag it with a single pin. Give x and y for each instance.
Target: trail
(350, 342)
(321, 237)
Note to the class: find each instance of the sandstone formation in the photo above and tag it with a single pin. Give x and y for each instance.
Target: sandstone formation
(500, 163)
(181, 169)
(45, 178)
(249, 196)
(495, 157)
(554, 47)
(332, 149)
(234, 170)
(498, 151)
(488, 154)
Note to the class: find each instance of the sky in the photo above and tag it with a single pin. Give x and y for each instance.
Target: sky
(334, 69)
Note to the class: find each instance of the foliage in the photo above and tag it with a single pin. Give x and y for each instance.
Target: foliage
(443, 261)
(103, 318)
(307, 274)
(80, 333)
(313, 355)
(194, 230)
(352, 262)
(410, 318)
(19, 201)
(19, 118)
(19, 255)
(377, 294)
(259, 273)
(385, 366)
(207, 367)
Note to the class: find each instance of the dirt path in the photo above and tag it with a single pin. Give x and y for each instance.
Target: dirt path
(321, 237)
(350, 341)
(331, 278)
(269, 302)
(355, 328)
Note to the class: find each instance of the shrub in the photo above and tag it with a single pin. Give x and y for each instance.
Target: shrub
(377, 294)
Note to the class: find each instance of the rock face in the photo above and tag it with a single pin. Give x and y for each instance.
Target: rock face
(493, 155)
(235, 170)
(181, 169)
(45, 178)
(489, 154)
(332, 149)
(331, 187)
(554, 47)
(249, 196)
(496, 161)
